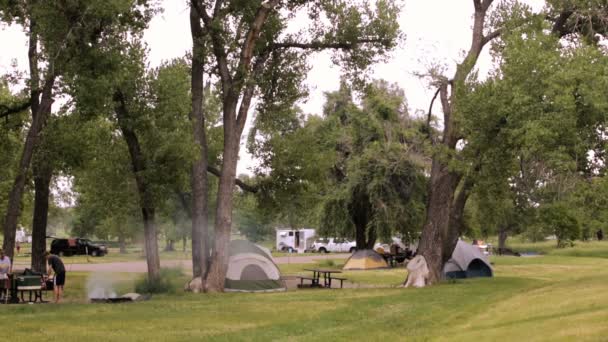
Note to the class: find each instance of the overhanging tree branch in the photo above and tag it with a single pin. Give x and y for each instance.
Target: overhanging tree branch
(217, 44)
(491, 36)
(324, 45)
(244, 186)
(251, 38)
(429, 115)
(6, 110)
(249, 91)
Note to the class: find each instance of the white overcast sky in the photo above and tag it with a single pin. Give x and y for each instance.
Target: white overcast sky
(438, 31)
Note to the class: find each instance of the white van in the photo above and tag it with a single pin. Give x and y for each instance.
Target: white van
(295, 240)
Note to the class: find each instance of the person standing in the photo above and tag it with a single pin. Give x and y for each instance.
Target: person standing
(5, 270)
(56, 265)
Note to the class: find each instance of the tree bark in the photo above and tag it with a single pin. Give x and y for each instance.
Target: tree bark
(359, 213)
(169, 247)
(138, 163)
(457, 218)
(360, 237)
(42, 181)
(199, 179)
(41, 109)
(503, 234)
(233, 87)
(13, 210)
(223, 220)
(122, 244)
(437, 230)
(439, 207)
(151, 243)
(371, 239)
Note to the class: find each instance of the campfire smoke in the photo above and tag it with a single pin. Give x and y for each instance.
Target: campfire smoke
(101, 285)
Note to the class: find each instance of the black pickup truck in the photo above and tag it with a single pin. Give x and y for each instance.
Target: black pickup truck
(77, 246)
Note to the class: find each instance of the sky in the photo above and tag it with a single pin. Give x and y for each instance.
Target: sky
(437, 32)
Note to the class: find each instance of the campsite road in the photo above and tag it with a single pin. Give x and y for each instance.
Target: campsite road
(140, 266)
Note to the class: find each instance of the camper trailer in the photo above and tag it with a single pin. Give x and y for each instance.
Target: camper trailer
(295, 240)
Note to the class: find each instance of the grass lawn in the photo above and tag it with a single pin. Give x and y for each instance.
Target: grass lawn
(594, 249)
(549, 298)
(133, 254)
(23, 260)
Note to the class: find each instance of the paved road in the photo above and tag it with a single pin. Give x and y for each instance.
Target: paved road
(140, 266)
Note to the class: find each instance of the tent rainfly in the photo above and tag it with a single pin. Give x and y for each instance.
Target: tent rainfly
(366, 259)
(467, 262)
(251, 269)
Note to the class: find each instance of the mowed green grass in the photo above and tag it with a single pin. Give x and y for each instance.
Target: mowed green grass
(595, 249)
(114, 255)
(133, 254)
(549, 298)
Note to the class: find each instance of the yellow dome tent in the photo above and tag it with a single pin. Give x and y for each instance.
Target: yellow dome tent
(366, 259)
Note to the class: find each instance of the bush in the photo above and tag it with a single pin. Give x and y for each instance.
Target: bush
(557, 220)
(535, 233)
(170, 281)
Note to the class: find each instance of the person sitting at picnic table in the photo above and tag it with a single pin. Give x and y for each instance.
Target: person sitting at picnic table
(56, 265)
(5, 270)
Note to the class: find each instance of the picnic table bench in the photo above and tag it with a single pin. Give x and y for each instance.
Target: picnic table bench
(315, 280)
(33, 285)
(396, 258)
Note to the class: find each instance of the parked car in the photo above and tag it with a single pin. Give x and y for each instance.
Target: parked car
(77, 246)
(336, 245)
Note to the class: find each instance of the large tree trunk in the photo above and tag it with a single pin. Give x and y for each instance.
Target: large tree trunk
(371, 239)
(170, 245)
(441, 195)
(41, 109)
(360, 239)
(151, 243)
(234, 88)
(42, 182)
(122, 244)
(503, 234)
(359, 212)
(443, 183)
(456, 225)
(138, 163)
(364, 239)
(223, 221)
(199, 182)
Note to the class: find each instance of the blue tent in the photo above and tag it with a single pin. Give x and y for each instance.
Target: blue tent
(467, 262)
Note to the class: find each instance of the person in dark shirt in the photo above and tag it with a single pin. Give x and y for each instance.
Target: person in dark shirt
(56, 265)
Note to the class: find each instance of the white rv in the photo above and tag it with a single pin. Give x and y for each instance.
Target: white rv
(295, 240)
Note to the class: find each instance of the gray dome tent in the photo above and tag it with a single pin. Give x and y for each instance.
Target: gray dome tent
(251, 269)
(467, 262)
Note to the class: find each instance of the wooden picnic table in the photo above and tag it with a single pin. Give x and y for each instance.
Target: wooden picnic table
(316, 276)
